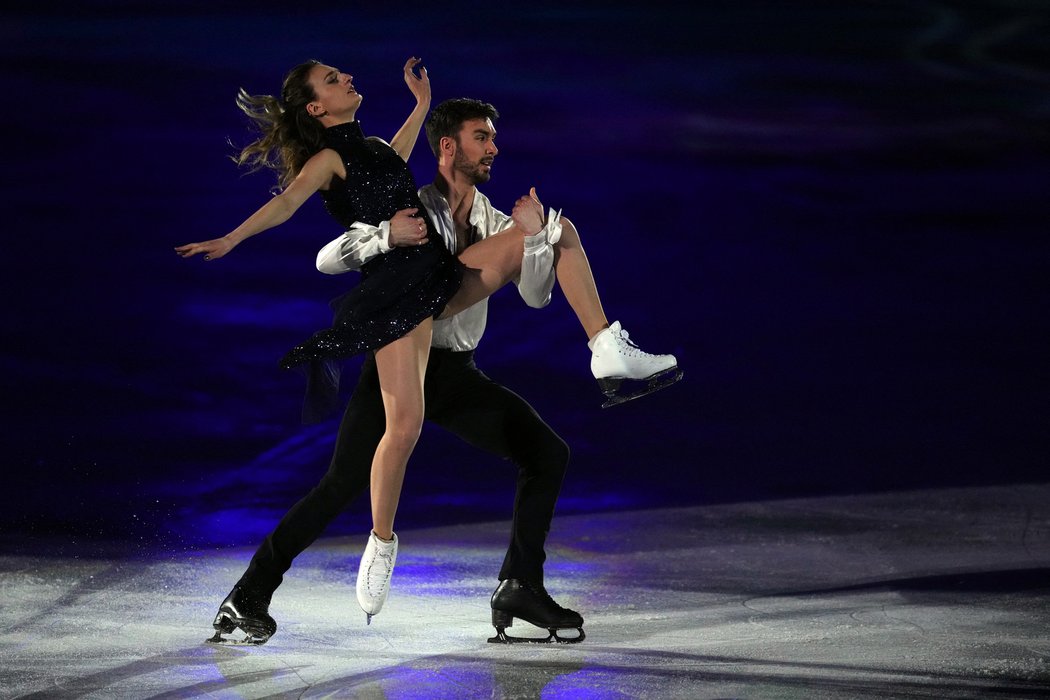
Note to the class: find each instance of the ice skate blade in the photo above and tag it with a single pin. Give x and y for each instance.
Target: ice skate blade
(248, 641)
(225, 625)
(618, 391)
(503, 638)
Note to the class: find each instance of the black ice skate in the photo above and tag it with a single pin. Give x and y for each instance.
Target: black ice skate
(515, 598)
(245, 612)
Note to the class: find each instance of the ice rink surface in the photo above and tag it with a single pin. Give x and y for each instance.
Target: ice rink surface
(921, 594)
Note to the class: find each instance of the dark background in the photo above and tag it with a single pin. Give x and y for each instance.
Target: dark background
(833, 213)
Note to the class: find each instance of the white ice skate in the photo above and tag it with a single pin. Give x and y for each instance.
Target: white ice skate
(373, 576)
(626, 372)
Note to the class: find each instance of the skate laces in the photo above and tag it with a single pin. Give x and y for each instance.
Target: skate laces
(541, 592)
(628, 346)
(378, 575)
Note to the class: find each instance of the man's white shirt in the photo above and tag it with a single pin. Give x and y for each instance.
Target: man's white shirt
(463, 331)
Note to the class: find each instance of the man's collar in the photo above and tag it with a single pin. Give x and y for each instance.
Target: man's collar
(477, 208)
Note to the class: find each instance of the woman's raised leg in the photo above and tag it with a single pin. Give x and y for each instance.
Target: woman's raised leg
(490, 264)
(496, 260)
(622, 369)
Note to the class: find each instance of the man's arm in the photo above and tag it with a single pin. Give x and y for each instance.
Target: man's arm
(354, 248)
(363, 242)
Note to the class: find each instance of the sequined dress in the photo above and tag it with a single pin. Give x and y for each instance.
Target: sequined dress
(398, 289)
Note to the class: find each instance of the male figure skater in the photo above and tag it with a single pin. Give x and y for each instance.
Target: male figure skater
(458, 396)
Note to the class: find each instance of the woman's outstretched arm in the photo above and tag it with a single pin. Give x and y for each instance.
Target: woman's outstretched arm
(405, 138)
(315, 174)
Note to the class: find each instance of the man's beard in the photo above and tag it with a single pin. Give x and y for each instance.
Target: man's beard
(471, 171)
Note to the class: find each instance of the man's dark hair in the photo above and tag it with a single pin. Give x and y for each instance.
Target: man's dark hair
(447, 118)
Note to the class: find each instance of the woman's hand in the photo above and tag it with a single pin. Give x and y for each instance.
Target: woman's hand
(213, 249)
(528, 213)
(418, 84)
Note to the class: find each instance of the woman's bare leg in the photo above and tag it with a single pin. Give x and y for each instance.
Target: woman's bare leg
(490, 263)
(401, 365)
(493, 262)
(577, 281)
(615, 361)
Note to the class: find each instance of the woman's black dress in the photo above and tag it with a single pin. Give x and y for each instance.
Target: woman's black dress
(398, 289)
